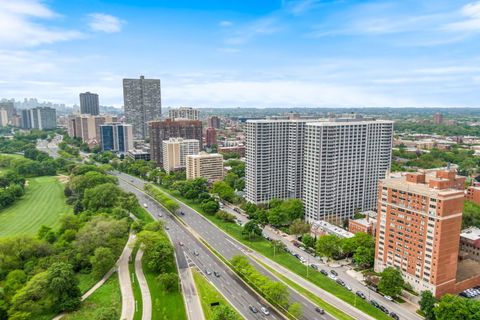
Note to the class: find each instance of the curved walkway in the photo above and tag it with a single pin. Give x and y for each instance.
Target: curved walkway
(142, 281)
(128, 300)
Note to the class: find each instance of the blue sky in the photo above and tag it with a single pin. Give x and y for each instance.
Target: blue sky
(289, 53)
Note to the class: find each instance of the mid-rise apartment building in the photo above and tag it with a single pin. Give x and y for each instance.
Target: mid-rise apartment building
(142, 103)
(176, 150)
(184, 113)
(211, 137)
(116, 137)
(418, 228)
(89, 103)
(333, 164)
(214, 122)
(3, 117)
(205, 165)
(166, 129)
(87, 127)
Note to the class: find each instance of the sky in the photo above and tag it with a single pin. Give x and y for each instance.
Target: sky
(245, 53)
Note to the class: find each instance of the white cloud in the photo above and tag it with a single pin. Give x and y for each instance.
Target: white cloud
(472, 12)
(225, 23)
(19, 26)
(105, 23)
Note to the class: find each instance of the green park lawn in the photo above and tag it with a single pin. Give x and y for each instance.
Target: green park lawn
(209, 294)
(106, 301)
(42, 204)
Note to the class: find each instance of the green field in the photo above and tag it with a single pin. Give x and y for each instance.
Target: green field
(208, 294)
(106, 301)
(42, 204)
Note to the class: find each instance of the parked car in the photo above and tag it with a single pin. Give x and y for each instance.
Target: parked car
(320, 310)
(332, 276)
(394, 316)
(374, 303)
(182, 213)
(208, 272)
(372, 288)
(341, 282)
(360, 294)
(314, 266)
(388, 298)
(181, 244)
(348, 287)
(167, 228)
(383, 309)
(265, 311)
(334, 272)
(324, 272)
(253, 309)
(195, 253)
(145, 205)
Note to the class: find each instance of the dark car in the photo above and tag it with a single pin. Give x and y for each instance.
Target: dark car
(334, 272)
(340, 282)
(195, 253)
(360, 294)
(324, 272)
(394, 316)
(253, 309)
(372, 288)
(216, 274)
(314, 266)
(320, 310)
(383, 309)
(374, 303)
(182, 213)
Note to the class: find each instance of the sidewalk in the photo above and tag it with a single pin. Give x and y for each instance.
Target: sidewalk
(128, 300)
(142, 282)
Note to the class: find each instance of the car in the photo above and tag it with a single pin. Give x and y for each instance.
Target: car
(160, 215)
(216, 274)
(394, 316)
(348, 287)
(360, 294)
(195, 253)
(374, 303)
(340, 282)
(302, 248)
(145, 205)
(332, 276)
(182, 213)
(208, 272)
(180, 243)
(220, 205)
(265, 311)
(388, 298)
(334, 272)
(167, 228)
(253, 309)
(385, 310)
(320, 310)
(314, 266)
(324, 272)
(131, 180)
(372, 288)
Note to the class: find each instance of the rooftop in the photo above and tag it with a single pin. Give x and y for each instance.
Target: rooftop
(331, 229)
(472, 233)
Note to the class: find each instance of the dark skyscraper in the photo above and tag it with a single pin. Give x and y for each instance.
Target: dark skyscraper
(142, 103)
(89, 103)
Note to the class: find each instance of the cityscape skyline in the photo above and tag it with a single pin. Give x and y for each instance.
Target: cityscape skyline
(279, 53)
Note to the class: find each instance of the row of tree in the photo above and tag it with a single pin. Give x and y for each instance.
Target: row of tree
(448, 307)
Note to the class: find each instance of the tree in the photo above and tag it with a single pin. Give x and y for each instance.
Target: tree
(63, 285)
(14, 281)
(223, 312)
(102, 260)
(452, 307)
(102, 196)
(391, 282)
(169, 281)
(224, 191)
(210, 207)
(225, 216)
(299, 227)
(276, 291)
(296, 310)
(308, 240)
(364, 257)
(427, 304)
(251, 228)
(328, 246)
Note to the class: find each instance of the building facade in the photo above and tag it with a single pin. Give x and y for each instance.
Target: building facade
(87, 127)
(176, 150)
(214, 122)
(9, 106)
(333, 165)
(470, 244)
(438, 118)
(89, 103)
(166, 129)
(418, 228)
(184, 113)
(40, 118)
(116, 137)
(211, 137)
(3, 117)
(142, 103)
(205, 165)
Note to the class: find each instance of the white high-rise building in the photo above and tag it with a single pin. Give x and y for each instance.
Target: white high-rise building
(333, 164)
(176, 150)
(184, 113)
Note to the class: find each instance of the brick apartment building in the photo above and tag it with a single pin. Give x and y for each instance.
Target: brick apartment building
(418, 230)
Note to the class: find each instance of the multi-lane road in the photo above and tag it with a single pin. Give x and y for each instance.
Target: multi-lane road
(186, 245)
(228, 247)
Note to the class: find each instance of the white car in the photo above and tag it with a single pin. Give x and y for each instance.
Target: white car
(145, 205)
(388, 298)
(332, 276)
(265, 311)
(348, 287)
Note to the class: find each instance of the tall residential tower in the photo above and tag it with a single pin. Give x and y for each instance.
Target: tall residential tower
(142, 103)
(89, 104)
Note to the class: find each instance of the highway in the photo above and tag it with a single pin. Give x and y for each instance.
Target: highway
(228, 247)
(228, 283)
